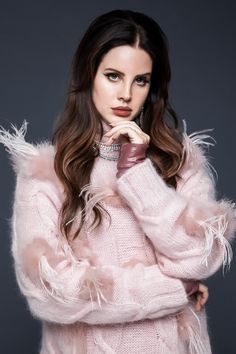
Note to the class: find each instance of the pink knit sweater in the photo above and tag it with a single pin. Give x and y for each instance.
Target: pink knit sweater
(117, 288)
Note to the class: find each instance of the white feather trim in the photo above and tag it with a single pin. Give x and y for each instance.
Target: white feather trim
(197, 139)
(196, 345)
(191, 331)
(215, 228)
(16, 145)
(92, 196)
(65, 283)
(71, 277)
(99, 341)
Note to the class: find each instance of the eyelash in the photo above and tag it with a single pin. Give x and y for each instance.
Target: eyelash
(145, 81)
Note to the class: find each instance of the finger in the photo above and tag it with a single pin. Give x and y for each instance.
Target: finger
(204, 293)
(122, 122)
(128, 125)
(202, 287)
(198, 306)
(202, 301)
(123, 126)
(133, 133)
(202, 298)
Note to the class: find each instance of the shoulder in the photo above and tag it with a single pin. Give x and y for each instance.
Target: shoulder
(32, 163)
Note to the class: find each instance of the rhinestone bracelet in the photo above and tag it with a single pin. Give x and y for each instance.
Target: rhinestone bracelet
(105, 149)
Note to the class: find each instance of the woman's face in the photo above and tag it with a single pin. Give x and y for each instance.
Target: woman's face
(122, 79)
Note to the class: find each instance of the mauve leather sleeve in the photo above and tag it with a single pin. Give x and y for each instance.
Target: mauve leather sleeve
(130, 154)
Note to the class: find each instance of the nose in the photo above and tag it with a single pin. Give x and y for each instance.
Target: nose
(125, 93)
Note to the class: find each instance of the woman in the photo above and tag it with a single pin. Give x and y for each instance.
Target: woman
(115, 222)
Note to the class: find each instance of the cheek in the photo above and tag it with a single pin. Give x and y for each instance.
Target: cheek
(101, 93)
(140, 95)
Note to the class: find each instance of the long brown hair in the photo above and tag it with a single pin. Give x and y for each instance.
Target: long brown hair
(80, 122)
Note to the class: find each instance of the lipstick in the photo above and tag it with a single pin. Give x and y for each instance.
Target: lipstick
(121, 113)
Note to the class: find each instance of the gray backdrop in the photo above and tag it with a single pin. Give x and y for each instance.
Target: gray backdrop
(38, 40)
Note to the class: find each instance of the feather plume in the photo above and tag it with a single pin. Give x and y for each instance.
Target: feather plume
(31, 160)
(16, 145)
(85, 282)
(195, 145)
(191, 331)
(92, 196)
(215, 228)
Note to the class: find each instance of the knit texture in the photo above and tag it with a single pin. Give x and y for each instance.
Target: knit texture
(118, 288)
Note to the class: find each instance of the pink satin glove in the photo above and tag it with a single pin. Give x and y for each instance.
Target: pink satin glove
(130, 155)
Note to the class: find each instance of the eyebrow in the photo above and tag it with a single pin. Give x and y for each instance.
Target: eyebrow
(120, 72)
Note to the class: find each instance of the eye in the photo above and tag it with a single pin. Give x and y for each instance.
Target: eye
(143, 80)
(111, 76)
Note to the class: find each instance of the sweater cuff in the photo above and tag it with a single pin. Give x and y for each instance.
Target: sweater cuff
(130, 155)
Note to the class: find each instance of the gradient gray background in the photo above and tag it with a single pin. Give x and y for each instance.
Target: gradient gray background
(38, 40)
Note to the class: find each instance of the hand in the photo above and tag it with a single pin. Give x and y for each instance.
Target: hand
(129, 129)
(201, 296)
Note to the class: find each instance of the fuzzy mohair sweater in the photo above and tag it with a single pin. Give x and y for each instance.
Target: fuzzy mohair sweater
(118, 288)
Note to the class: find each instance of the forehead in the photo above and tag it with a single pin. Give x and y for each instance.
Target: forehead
(126, 58)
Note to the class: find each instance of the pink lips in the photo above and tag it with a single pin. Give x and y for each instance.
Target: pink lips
(122, 111)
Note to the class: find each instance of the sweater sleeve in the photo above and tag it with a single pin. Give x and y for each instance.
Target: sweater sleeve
(189, 229)
(60, 288)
